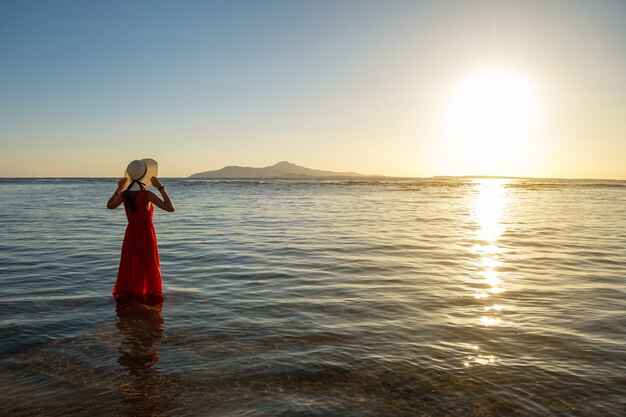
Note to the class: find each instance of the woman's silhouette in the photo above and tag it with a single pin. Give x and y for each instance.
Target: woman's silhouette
(139, 274)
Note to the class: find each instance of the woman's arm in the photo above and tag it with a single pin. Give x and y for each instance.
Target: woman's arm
(117, 198)
(165, 204)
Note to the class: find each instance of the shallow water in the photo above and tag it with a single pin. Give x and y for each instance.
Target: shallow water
(439, 297)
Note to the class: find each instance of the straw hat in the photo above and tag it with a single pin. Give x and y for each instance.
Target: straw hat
(139, 173)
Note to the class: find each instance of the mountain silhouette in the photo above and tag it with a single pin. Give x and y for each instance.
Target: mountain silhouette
(282, 169)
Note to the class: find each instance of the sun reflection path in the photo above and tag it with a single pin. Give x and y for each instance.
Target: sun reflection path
(487, 213)
(488, 210)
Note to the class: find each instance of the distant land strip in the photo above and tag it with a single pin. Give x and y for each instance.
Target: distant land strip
(282, 169)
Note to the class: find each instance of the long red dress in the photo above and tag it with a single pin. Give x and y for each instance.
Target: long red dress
(139, 275)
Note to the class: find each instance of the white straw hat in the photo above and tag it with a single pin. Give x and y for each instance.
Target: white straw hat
(139, 173)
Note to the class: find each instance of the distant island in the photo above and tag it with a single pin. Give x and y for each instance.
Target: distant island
(282, 169)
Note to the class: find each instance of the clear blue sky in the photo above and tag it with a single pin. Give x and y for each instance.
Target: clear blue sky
(87, 86)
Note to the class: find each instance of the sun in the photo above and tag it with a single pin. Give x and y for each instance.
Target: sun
(490, 120)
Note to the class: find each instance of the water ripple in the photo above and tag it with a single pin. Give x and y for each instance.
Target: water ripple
(336, 298)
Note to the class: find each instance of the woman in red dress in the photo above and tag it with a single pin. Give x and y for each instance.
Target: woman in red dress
(139, 274)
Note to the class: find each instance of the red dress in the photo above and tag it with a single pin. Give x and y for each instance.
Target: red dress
(139, 275)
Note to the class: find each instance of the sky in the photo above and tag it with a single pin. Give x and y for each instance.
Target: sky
(399, 88)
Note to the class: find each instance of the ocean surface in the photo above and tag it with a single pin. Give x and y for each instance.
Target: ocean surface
(428, 297)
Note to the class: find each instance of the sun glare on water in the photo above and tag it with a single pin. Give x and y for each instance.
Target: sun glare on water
(490, 123)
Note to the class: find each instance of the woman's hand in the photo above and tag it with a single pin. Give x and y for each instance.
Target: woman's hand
(121, 183)
(165, 204)
(155, 181)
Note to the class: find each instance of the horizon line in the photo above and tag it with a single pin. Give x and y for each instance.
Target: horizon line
(365, 176)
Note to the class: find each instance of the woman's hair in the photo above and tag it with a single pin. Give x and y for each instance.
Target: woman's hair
(129, 200)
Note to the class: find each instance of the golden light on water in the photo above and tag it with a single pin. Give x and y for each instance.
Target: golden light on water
(490, 321)
(491, 277)
(488, 208)
(487, 249)
(490, 262)
(487, 213)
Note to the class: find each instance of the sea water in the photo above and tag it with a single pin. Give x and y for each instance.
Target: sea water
(434, 297)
